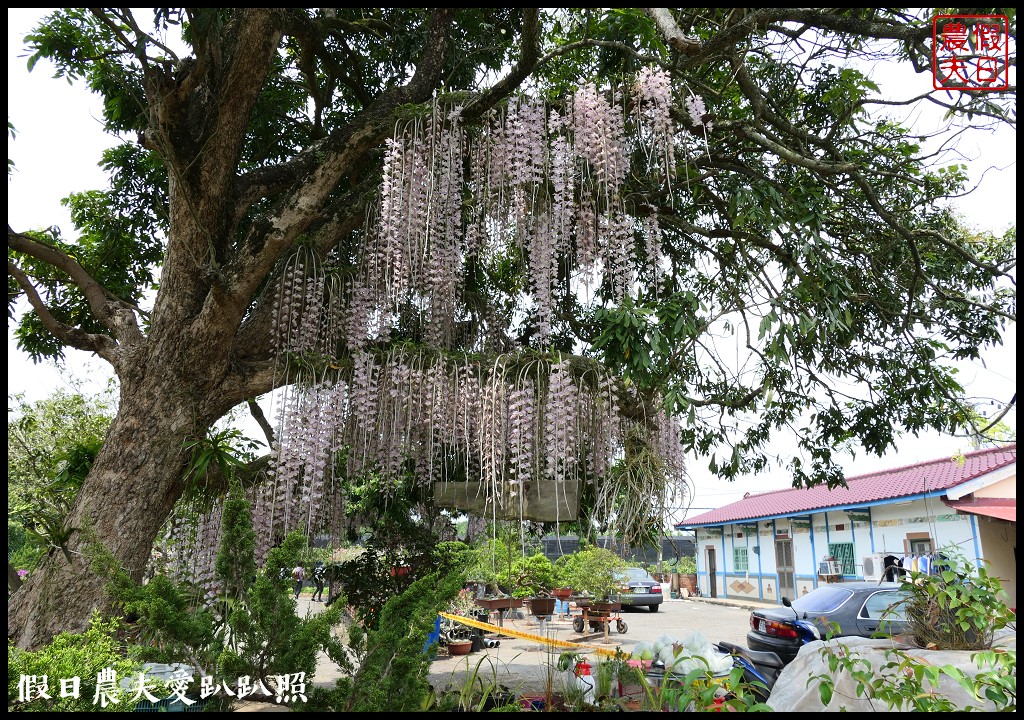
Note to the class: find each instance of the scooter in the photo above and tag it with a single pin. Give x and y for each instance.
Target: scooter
(762, 668)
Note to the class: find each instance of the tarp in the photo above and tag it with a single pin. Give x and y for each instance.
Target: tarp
(544, 501)
(795, 691)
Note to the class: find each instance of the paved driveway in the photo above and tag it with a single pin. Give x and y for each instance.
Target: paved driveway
(526, 665)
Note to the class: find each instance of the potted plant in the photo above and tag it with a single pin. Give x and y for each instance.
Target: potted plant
(595, 574)
(531, 578)
(563, 581)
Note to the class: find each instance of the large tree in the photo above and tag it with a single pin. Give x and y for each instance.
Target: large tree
(698, 172)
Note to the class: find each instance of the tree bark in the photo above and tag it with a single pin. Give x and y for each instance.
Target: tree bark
(130, 491)
(204, 352)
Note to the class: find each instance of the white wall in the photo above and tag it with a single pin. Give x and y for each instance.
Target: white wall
(887, 533)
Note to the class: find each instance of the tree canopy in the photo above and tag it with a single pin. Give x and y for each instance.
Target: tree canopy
(512, 247)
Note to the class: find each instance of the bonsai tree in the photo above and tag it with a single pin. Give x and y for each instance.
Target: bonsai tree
(530, 576)
(594, 571)
(491, 564)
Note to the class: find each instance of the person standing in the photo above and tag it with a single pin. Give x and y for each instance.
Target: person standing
(318, 581)
(298, 575)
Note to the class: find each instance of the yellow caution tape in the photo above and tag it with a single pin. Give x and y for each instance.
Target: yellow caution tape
(511, 632)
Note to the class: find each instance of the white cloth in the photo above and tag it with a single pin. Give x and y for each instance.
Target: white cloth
(793, 693)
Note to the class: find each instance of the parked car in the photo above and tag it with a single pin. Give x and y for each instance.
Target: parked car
(639, 588)
(864, 609)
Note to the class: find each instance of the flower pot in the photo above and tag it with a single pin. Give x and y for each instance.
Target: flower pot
(460, 648)
(502, 603)
(542, 606)
(562, 593)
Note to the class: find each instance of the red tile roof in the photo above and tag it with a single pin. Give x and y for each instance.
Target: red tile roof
(910, 480)
(1002, 508)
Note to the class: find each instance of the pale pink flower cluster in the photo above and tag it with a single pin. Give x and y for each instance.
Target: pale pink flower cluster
(698, 112)
(653, 102)
(600, 134)
(531, 183)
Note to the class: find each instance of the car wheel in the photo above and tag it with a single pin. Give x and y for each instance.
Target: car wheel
(621, 626)
(577, 624)
(653, 608)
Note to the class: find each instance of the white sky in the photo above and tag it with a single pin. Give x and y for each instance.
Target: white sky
(59, 139)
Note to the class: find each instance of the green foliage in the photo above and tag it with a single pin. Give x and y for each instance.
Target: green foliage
(235, 565)
(51, 447)
(72, 655)
(593, 571)
(493, 560)
(686, 565)
(250, 629)
(959, 607)
(907, 682)
(530, 576)
(393, 668)
(42, 439)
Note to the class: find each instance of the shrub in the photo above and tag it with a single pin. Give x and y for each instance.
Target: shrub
(593, 571)
(72, 655)
(958, 607)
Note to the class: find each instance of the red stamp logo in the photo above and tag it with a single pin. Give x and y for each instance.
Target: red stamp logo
(970, 52)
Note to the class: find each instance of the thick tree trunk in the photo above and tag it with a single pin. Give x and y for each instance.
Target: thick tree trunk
(129, 493)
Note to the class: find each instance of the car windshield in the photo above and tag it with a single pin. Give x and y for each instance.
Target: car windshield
(637, 574)
(822, 600)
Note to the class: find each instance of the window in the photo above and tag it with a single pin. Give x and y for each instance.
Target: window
(739, 559)
(843, 552)
(886, 605)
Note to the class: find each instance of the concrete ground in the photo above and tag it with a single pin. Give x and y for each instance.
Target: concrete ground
(526, 658)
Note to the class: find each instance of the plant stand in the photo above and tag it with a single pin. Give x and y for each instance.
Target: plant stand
(505, 603)
(542, 608)
(598, 616)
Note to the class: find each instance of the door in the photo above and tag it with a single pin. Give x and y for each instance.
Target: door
(712, 579)
(784, 567)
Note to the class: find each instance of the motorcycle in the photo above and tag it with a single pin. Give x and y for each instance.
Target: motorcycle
(762, 668)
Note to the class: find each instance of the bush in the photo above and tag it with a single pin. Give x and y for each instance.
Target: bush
(68, 656)
(958, 608)
(530, 576)
(593, 571)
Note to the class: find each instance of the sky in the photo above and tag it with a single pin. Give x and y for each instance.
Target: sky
(59, 140)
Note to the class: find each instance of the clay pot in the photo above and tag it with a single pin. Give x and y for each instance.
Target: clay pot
(542, 606)
(460, 648)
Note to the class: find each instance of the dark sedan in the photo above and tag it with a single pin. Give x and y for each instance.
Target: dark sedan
(639, 588)
(864, 609)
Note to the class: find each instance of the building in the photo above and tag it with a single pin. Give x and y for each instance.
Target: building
(787, 542)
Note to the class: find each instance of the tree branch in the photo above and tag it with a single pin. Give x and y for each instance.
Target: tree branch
(674, 36)
(341, 152)
(102, 345)
(257, 412)
(529, 56)
(117, 315)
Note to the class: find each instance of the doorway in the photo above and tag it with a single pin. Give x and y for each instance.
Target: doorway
(712, 573)
(784, 566)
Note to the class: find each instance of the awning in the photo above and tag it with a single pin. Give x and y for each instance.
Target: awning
(1002, 508)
